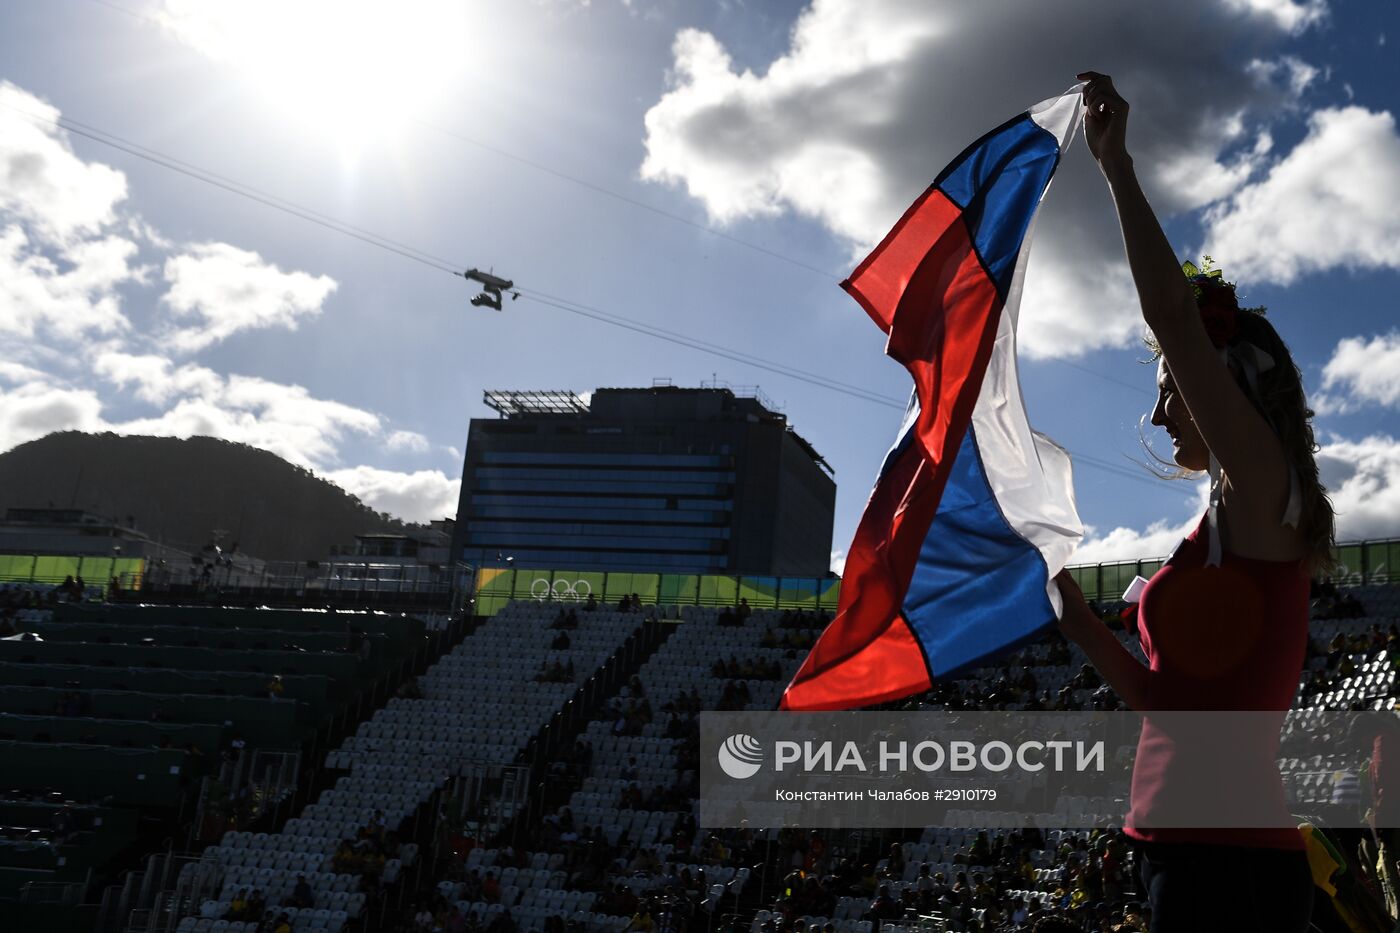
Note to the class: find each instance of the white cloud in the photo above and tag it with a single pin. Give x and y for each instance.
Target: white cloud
(156, 379)
(60, 264)
(407, 441)
(1329, 203)
(1064, 316)
(1291, 16)
(65, 300)
(18, 373)
(217, 290)
(423, 496)
(1363, 371)
(1363, 480)
(838, 561)
(284, 419)
(1200, 178)
(1155, 541)
(871, 98)
(1290, 70)
(42, 181)
(35, 408)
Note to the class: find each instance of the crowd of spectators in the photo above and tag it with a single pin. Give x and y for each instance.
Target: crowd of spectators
(1329, 602)
(372, 847)
(17, 596)
(630, 710)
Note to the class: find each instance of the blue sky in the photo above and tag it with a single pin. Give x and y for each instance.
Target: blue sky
(137, 299)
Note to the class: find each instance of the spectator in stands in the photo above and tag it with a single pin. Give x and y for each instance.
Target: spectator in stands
(490, 888)
(591, 604)
(257, 904)
(302, 897)
(883, 907)
(561, 642)
(641, 921)
(275, 688)
(504, 923)
(238, 907)
(283, 924)
(345, 861)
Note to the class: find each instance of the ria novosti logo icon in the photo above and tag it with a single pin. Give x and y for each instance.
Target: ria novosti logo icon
(740, 756)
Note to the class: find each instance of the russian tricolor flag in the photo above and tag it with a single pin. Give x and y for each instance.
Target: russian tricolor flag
(973, 512)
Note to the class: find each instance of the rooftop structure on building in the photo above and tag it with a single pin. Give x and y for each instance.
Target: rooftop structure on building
(708, 479)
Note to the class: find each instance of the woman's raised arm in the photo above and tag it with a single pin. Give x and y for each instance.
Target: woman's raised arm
(1235, 432)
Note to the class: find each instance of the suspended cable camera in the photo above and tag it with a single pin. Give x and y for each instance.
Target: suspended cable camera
(491, 288)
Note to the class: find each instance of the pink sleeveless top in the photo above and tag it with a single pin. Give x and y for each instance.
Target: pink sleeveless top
(1232, 637)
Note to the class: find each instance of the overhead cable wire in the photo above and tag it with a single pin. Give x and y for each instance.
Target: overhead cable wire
(634, 202)
(696, 343)
(443, 265)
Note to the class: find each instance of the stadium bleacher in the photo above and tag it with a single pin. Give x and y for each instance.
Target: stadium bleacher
(121, 726)
(540, 776)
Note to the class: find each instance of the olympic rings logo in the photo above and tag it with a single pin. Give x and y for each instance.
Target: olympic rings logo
(542, 590)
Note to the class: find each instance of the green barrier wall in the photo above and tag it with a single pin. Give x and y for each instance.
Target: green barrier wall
(52, 570)
(497, 586)
(1375, 561)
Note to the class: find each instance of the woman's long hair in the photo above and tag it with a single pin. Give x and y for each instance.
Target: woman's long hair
(1281, 401)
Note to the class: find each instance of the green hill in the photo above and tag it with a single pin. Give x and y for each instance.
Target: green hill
(181, 490)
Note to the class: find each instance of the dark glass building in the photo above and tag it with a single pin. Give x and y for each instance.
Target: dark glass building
(665, 479)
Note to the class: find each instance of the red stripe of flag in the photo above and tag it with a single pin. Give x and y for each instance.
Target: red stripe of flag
(925, 286)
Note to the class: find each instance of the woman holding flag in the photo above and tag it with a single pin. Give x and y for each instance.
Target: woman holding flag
(1224, 622)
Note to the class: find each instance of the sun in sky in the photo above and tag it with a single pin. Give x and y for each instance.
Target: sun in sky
(351, 70)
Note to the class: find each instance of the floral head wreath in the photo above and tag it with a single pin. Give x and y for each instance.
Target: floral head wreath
(1215, 297)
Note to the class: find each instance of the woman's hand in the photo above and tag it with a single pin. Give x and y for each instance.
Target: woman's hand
(1075, 617)
(1105, 120)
